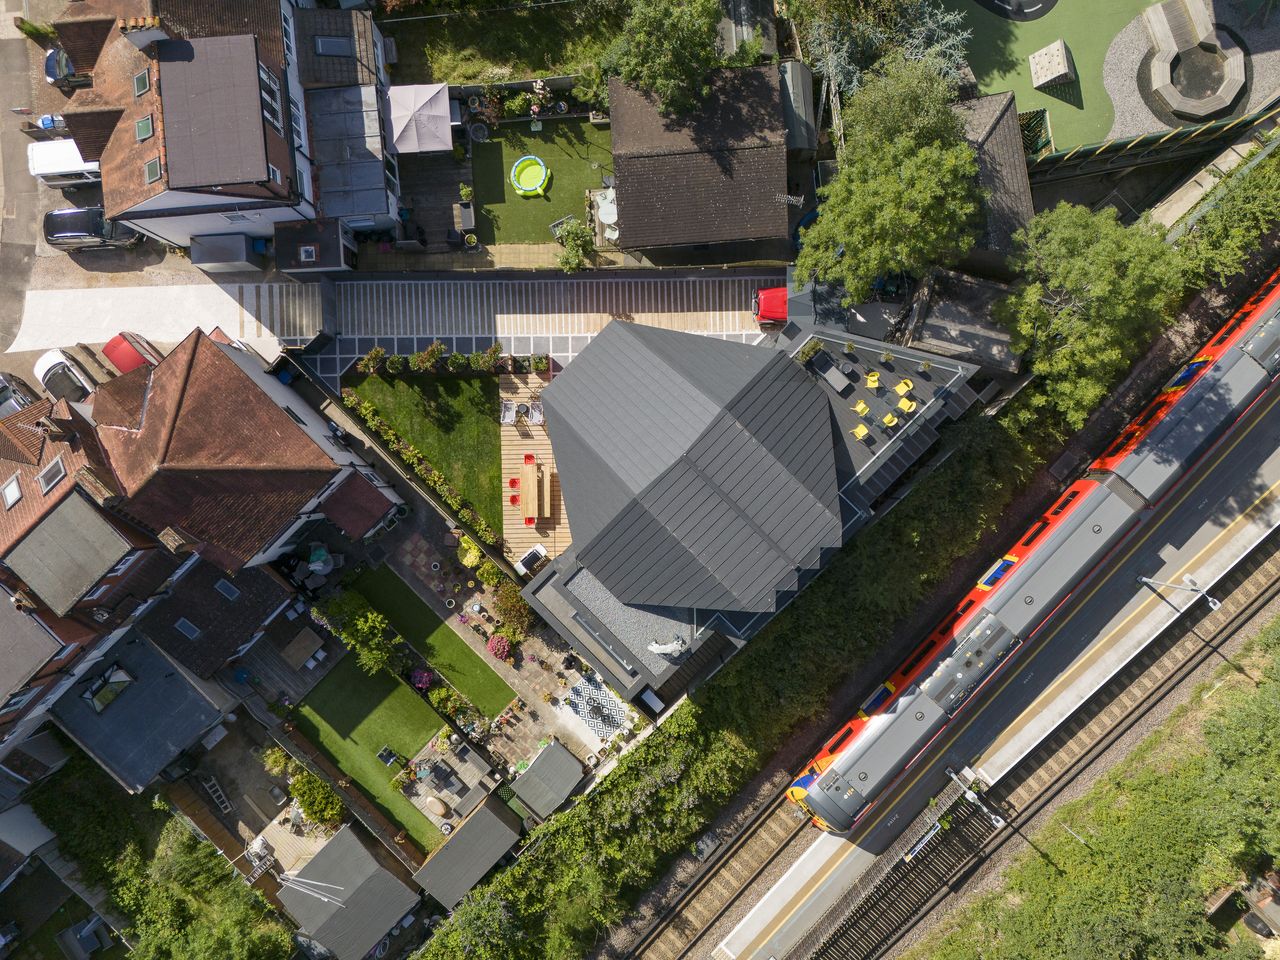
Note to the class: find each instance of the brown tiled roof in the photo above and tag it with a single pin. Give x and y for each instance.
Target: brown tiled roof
(713, 178)
(355, 506)
(214, 456)
(224, 624)
(229, 18)
(83, 39)
(119, 402)
(92, 129)
(24, 452)
(319, 70)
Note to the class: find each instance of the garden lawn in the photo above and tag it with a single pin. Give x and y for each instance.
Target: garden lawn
(350, 716)
(511, 45)
(437, 641)
(998, 50)
(567, 147)
(453, 420)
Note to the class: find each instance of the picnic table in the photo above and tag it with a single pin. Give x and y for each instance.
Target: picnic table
(529, 500)
(301, 648)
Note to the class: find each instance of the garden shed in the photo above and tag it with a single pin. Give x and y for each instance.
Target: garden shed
(550, 780)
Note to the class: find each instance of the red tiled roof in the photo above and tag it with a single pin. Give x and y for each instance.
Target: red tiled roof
(214, 456)
(119, 402)
(84, 37)
(355, 506)
(24, 452)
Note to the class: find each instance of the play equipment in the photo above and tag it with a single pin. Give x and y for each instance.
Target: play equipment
(530, 176)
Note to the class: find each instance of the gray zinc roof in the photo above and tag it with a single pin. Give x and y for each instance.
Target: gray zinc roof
(67, 553)
(554, 774)
(472, 851)
(25, 647)
(697, 473)
(371, 898)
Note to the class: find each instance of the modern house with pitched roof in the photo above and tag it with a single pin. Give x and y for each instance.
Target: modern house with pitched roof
(707, 482)
(197, 115)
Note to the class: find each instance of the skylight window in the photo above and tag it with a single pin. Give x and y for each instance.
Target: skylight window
(106, 688)
(143, 129)
(186, 627)
(227, 589)
(51, 476)
(141, 83)
(12, 492)
(152, 170)
(335, 47)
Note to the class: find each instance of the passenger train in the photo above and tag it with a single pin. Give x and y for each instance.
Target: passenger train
(1021, 589)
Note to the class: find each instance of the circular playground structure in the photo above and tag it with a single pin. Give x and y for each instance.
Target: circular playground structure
(530, 176)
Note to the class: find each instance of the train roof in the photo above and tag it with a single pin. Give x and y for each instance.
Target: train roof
(1201, 415)
(1263, 342)
(885, 744)
(965, 665)
(1077, 542)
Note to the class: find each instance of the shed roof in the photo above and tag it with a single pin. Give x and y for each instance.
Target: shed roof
(25, 647)
(69, 551)
(697, 472)
(371, 898)
(554, 774)
(729, 161)
(991, 127)
(209, 91)
(471, 851)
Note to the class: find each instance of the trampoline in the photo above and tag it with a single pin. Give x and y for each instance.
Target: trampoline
(530, 176)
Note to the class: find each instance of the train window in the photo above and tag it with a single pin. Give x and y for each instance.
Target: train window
(1038, 529)
(1187, 373)
(967, 605)
(1152, 412)
(996, 573)
(1066, 502)
(839, 741)
(876, 699)
(914, 661)
(948, 624)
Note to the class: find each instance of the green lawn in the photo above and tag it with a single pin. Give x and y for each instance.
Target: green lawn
(1079, 113)
(454, 422)
(577, 154)
(435, 640)
(511, 45)
(350, 716)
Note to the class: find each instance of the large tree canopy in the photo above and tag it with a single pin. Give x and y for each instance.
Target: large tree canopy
(669, 48)
(1093, 294)
(906, 197)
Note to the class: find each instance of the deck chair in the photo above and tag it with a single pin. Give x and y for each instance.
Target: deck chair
(536, 416)
(611, 233)
(508, 412)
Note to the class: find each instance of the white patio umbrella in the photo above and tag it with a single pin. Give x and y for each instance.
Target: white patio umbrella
(420, 117)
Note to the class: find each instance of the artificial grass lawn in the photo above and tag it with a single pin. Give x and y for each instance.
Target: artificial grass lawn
(567, 147)
(1078, 113)
(511, 45)
(437, 641)
(351, 715)
(453, 420)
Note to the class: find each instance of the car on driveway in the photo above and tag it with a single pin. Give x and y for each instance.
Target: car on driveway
(57, 66)
(128, 351)
(63, 377)
(14, 394)
(86, 228)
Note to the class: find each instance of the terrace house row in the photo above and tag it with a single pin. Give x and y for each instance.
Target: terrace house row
(134, 539)
(213, 121)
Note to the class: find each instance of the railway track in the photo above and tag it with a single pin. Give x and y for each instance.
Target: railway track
(731, 870)
(877, 919)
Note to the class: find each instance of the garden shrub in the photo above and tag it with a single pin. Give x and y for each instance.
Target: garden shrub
(540, 363)
(809, 350)
(486, 361)
(276, 761)
(448, 702)
(457, 362)
(469, 554)
(515, 612)
(579, 243)
(395, 364)
(425, 361)
(371, 361)
(499, 647)
(320, 803)
(489, 574)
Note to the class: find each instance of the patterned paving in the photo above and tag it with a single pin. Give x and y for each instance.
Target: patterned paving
(597, 707)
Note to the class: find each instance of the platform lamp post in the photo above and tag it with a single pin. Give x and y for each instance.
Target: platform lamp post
(971, 795)
(1189, 584)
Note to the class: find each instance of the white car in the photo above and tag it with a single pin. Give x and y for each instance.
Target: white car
(62, 377)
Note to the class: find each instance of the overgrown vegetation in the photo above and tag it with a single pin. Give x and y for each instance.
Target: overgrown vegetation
(905, 198)
(1243, 210)
(1192, 810)
(669, 48)
(591, 861)
(183, 900)
(320, 803)
(579, 242)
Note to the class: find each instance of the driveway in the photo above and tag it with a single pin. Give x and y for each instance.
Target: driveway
(18, 192)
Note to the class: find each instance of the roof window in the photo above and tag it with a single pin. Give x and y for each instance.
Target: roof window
(107, 687)
(51, 476)
(12, 492)
(151, 169)
(335, 47)
(143, 129)
(141, 83)
(227, 589)
(187, 628)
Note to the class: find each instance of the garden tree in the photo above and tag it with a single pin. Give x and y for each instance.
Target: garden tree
(1092, 295)
(369, 636)
(1244, 209)
(896, 207)
(515, 613)
(669, 48)
(480, 928)
(579, 242)
(903, 98)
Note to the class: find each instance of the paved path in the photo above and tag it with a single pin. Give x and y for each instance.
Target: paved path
(18, 192)
(264, 314)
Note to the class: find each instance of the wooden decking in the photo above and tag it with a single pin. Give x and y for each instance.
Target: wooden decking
(518, 439)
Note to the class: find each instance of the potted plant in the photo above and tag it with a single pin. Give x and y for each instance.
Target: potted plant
(541, 364)
(473, 102)
(471, 241)
(466, 193)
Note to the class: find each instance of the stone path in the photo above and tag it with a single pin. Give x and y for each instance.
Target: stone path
(423, 540)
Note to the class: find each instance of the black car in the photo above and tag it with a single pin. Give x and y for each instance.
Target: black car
(85, 228)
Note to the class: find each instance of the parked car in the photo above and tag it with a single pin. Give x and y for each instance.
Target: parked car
(57, 66)
(770, 305)
(128, 351)
(14, 394)
(1258, 925)
(63, 377)
(86, 228)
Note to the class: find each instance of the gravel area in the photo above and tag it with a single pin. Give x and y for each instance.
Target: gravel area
(990, 875)
(1130, 46)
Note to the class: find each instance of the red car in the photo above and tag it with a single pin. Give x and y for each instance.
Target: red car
(770, 305)
(128, 351)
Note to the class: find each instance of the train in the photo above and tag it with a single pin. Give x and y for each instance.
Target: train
(1031, 579)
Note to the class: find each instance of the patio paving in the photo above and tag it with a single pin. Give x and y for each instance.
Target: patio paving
(518, 734)
(518, 439)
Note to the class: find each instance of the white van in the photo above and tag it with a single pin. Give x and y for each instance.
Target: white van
(57, 163)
